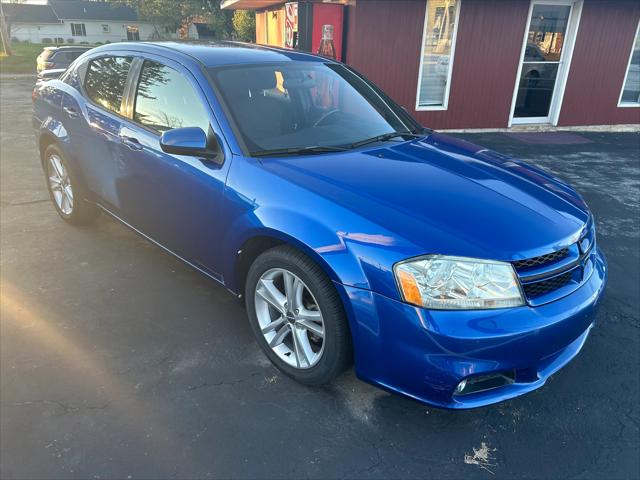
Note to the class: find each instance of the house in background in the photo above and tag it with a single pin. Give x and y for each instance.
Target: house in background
(476, 64)
(196, 28)
(78, 21)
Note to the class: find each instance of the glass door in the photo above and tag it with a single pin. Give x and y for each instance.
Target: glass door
(544, 62)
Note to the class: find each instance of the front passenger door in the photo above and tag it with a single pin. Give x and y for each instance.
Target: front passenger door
(175, 200)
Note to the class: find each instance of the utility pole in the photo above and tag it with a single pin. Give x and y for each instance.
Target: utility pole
(4, 34)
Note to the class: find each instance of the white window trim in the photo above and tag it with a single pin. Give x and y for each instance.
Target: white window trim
(626, 74)
(558, 97)
(74, 29)
(576, 17)
(447, 88)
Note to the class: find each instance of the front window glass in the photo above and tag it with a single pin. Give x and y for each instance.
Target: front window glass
(105, 81)
(631, 88)
(437, 53)
(299, 105)
(166, 100)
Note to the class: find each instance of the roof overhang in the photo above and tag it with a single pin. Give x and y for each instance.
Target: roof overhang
(249, 4)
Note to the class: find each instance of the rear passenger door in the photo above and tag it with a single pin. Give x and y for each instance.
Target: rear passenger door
(174, 199)
(94, 121)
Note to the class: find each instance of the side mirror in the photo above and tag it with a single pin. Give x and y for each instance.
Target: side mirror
(190, 141)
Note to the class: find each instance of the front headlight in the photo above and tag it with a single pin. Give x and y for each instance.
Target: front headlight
(457, 283)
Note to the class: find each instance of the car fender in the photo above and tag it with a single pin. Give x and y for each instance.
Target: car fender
(262, 204)
(48, 110)
(50, 130)
(300, 231)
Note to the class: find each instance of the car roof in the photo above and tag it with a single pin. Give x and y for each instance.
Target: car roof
(212, 54)
(68, 47)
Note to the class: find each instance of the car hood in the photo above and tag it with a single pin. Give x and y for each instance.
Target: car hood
(443, 195)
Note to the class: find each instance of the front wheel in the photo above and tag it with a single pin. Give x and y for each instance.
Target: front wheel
(297, 316)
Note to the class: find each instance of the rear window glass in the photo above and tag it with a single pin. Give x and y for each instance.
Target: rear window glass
(71, 56)
(46, 54)
(105, 81)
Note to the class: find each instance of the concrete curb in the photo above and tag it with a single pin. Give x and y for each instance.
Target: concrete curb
(549, 128)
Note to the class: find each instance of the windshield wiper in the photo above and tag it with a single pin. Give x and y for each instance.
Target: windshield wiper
(297, 151)
(324, 149)
(384, 137)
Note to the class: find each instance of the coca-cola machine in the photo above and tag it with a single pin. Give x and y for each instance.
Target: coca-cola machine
(315, 27)
(291, 25)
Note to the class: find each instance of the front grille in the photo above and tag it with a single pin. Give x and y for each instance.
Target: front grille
(533, 290)
(541, 260)
(541, 276)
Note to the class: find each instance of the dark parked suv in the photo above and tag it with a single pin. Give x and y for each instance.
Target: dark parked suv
(58, 57)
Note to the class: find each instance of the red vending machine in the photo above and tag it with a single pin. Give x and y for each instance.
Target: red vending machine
(328, 22)
(291, 25)
(315, 27)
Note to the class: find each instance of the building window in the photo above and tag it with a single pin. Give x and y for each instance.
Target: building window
(106, 28)
(436, 61)
(78, 30)
(133, 33)
(630, 95)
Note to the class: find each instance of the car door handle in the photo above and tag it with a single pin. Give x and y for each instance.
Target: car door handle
(71, 112)
(131, 142)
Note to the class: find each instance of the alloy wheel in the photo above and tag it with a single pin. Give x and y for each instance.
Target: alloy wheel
(290, 318)
(60, 184)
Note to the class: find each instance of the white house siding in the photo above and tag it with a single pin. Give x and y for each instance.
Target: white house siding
(117, 31)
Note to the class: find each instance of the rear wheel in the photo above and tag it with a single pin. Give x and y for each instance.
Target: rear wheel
(297, 316)
(66, 190)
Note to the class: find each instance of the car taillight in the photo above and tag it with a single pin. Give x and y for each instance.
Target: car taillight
(35, 94)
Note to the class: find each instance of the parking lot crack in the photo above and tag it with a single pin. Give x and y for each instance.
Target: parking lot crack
(64, 407)
(26, 202)
(222, 382)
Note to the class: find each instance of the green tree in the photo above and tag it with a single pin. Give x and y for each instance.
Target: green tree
(244, 24)
(171, 13)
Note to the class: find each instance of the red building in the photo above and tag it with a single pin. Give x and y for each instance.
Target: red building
(481, 63)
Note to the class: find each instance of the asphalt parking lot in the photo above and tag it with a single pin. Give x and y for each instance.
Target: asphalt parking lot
(118, 361)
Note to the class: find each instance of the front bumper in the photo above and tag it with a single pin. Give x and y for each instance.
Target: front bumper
(424, 354)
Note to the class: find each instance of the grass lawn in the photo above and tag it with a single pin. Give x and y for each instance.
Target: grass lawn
(23, 59)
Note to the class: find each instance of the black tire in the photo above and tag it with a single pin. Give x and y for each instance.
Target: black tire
(82, 212)
(337, 353)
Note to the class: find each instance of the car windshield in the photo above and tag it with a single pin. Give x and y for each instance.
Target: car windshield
(305, 105)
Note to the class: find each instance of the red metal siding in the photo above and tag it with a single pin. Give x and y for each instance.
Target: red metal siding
(599, 64)
(384, 43)
(350, 30)
(387, 44)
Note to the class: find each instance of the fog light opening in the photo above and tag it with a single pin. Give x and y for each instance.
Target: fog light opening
(482, 383)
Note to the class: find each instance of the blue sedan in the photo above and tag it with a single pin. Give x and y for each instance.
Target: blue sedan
(444, 271)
